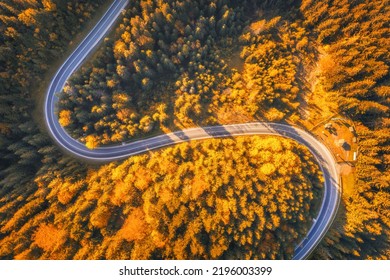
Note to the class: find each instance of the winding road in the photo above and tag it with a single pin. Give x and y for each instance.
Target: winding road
(325, 159)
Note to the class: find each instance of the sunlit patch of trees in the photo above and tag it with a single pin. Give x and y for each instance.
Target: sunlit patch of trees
(355, 69)
(241, 198)
(273, 53)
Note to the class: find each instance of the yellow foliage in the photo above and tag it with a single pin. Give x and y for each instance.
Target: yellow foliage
(49, 5)
(91, 142)
(143, 179)
(67, 191)
(274, 115)
(25, 255)
(49, 238)
(65, 118)
(268, 169)
(198, 187)
(165, 195)
(257, 27)
(122, 192)
(135, 226)
(28, 16)
(100, 217)
(111, 83)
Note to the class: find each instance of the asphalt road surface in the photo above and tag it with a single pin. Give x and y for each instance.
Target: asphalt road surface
(325, 159)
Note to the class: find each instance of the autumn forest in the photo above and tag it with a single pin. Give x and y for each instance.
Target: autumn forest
(169, 65)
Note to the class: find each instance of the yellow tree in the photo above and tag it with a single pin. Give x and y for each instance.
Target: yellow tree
(91, 141)
(65, 118)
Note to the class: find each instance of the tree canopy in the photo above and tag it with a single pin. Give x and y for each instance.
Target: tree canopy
(195, 200)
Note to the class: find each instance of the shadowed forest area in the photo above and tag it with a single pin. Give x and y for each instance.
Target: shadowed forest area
(178, 63)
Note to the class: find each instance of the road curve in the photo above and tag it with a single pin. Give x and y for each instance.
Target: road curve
(325, 159)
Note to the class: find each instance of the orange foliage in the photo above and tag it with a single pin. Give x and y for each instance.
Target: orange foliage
(135, 226)
(65, 118)
(143, 179)
(199, 186)
(100, 217)
(91, 142)
(49, 238)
